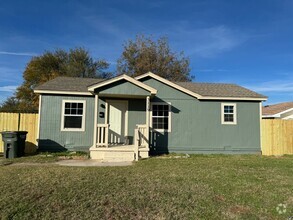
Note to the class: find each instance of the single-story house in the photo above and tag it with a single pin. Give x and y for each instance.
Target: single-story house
(135, 117)
(282, 110)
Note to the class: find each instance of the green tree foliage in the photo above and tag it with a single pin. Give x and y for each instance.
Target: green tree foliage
(75, 63)
(144, 54)
(10, 105)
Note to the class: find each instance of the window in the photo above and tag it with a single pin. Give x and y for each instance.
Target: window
(161, 116)
(229, 113)
(73, 115)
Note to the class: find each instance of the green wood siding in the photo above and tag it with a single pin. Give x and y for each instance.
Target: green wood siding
(101, 111)
(196, 125)
(136, 115)
(124, 88)
(51, 137)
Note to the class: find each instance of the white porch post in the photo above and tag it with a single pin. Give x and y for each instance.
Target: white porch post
(96, 120)
(106, 122)
(148, 119)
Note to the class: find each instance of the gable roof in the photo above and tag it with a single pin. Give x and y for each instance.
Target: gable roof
(212, 91)
(122, 77)
(67, 85)
(277, 108)
(201, 91)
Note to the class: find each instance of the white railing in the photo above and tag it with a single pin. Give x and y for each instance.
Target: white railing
(140, 138)
(142, 135)
(102, 134)
(136, 143)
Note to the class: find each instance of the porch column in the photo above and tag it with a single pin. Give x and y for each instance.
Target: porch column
(96, 120)
(148, 119)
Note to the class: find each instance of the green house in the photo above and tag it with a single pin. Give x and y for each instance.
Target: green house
(127, 118)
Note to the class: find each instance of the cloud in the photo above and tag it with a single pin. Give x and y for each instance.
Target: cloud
(114, 26)
(207, 42)
(275, 86)
(118, 27)
(276, 90)
(114, 63)
(17, 53)
(8, 88)
(8, 74)
(213, 70)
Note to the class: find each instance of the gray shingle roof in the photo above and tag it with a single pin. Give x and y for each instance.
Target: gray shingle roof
(220, 90)
(72, 84)
(276, 108)
(68, 84)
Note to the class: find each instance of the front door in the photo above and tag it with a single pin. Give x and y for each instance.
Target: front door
(117, 121)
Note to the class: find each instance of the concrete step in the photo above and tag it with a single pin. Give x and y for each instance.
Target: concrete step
(117, 154)
(110, 156)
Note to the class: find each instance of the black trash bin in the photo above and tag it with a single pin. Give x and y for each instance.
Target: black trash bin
(21, 137)
(14, 143)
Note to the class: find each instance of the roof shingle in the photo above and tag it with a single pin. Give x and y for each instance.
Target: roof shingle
(73, 84)
(219, 90)
(277, 108)
(69, 84)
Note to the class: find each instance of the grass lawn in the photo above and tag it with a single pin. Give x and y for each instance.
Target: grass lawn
(199, 187)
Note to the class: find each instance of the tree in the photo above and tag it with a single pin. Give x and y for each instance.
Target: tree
(10, 105)
(144, 55)
(75, 63)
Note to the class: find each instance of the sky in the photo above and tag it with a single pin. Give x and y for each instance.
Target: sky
(248, 43)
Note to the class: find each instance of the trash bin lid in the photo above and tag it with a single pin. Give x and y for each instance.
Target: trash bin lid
(21, 132)
(8, 132)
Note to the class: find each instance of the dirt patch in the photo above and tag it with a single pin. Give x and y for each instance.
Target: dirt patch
(31, 164)
(238, 209)
(73, 158)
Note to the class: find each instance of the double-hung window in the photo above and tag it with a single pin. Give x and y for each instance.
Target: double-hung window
(73, 115)
(161, 116)
(229, 113)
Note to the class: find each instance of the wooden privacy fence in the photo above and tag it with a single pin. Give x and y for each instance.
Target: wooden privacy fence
(20, 122)
(277, 136)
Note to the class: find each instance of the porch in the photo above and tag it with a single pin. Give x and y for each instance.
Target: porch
(122, 119)
(108, 151)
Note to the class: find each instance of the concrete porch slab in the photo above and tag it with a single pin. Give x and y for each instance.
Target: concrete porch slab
(92, 163)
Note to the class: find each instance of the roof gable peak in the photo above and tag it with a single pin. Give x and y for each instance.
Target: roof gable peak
(122, 77)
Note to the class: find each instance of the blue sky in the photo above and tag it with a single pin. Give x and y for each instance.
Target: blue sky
(244, 42)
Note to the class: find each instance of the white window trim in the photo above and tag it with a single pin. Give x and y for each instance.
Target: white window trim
(234, 113)
(83, 115)
(169, 116)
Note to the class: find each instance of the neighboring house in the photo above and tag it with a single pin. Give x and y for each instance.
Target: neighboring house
(278, 111)
(110, 117)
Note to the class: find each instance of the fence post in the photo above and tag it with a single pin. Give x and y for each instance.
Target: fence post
(18, 126)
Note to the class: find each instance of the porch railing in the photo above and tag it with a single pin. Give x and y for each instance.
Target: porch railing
(142, 135)
(102, 135)
(140, 138)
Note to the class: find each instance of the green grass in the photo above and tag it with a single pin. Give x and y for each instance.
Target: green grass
(39, 158)
(45, 157)
(199, 187)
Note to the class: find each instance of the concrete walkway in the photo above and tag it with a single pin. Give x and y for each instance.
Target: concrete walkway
(91, 163)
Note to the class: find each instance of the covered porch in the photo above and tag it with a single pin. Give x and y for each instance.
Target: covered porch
(122, 119)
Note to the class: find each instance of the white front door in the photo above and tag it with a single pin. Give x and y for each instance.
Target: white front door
(117, 115)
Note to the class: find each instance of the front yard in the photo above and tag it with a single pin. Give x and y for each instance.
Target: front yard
(199, 187)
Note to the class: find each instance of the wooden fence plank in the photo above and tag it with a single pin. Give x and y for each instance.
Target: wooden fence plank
(28, 122)
(277, 137)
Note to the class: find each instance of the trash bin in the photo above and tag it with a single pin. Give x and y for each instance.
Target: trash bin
(21, 137)
(14, 143)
